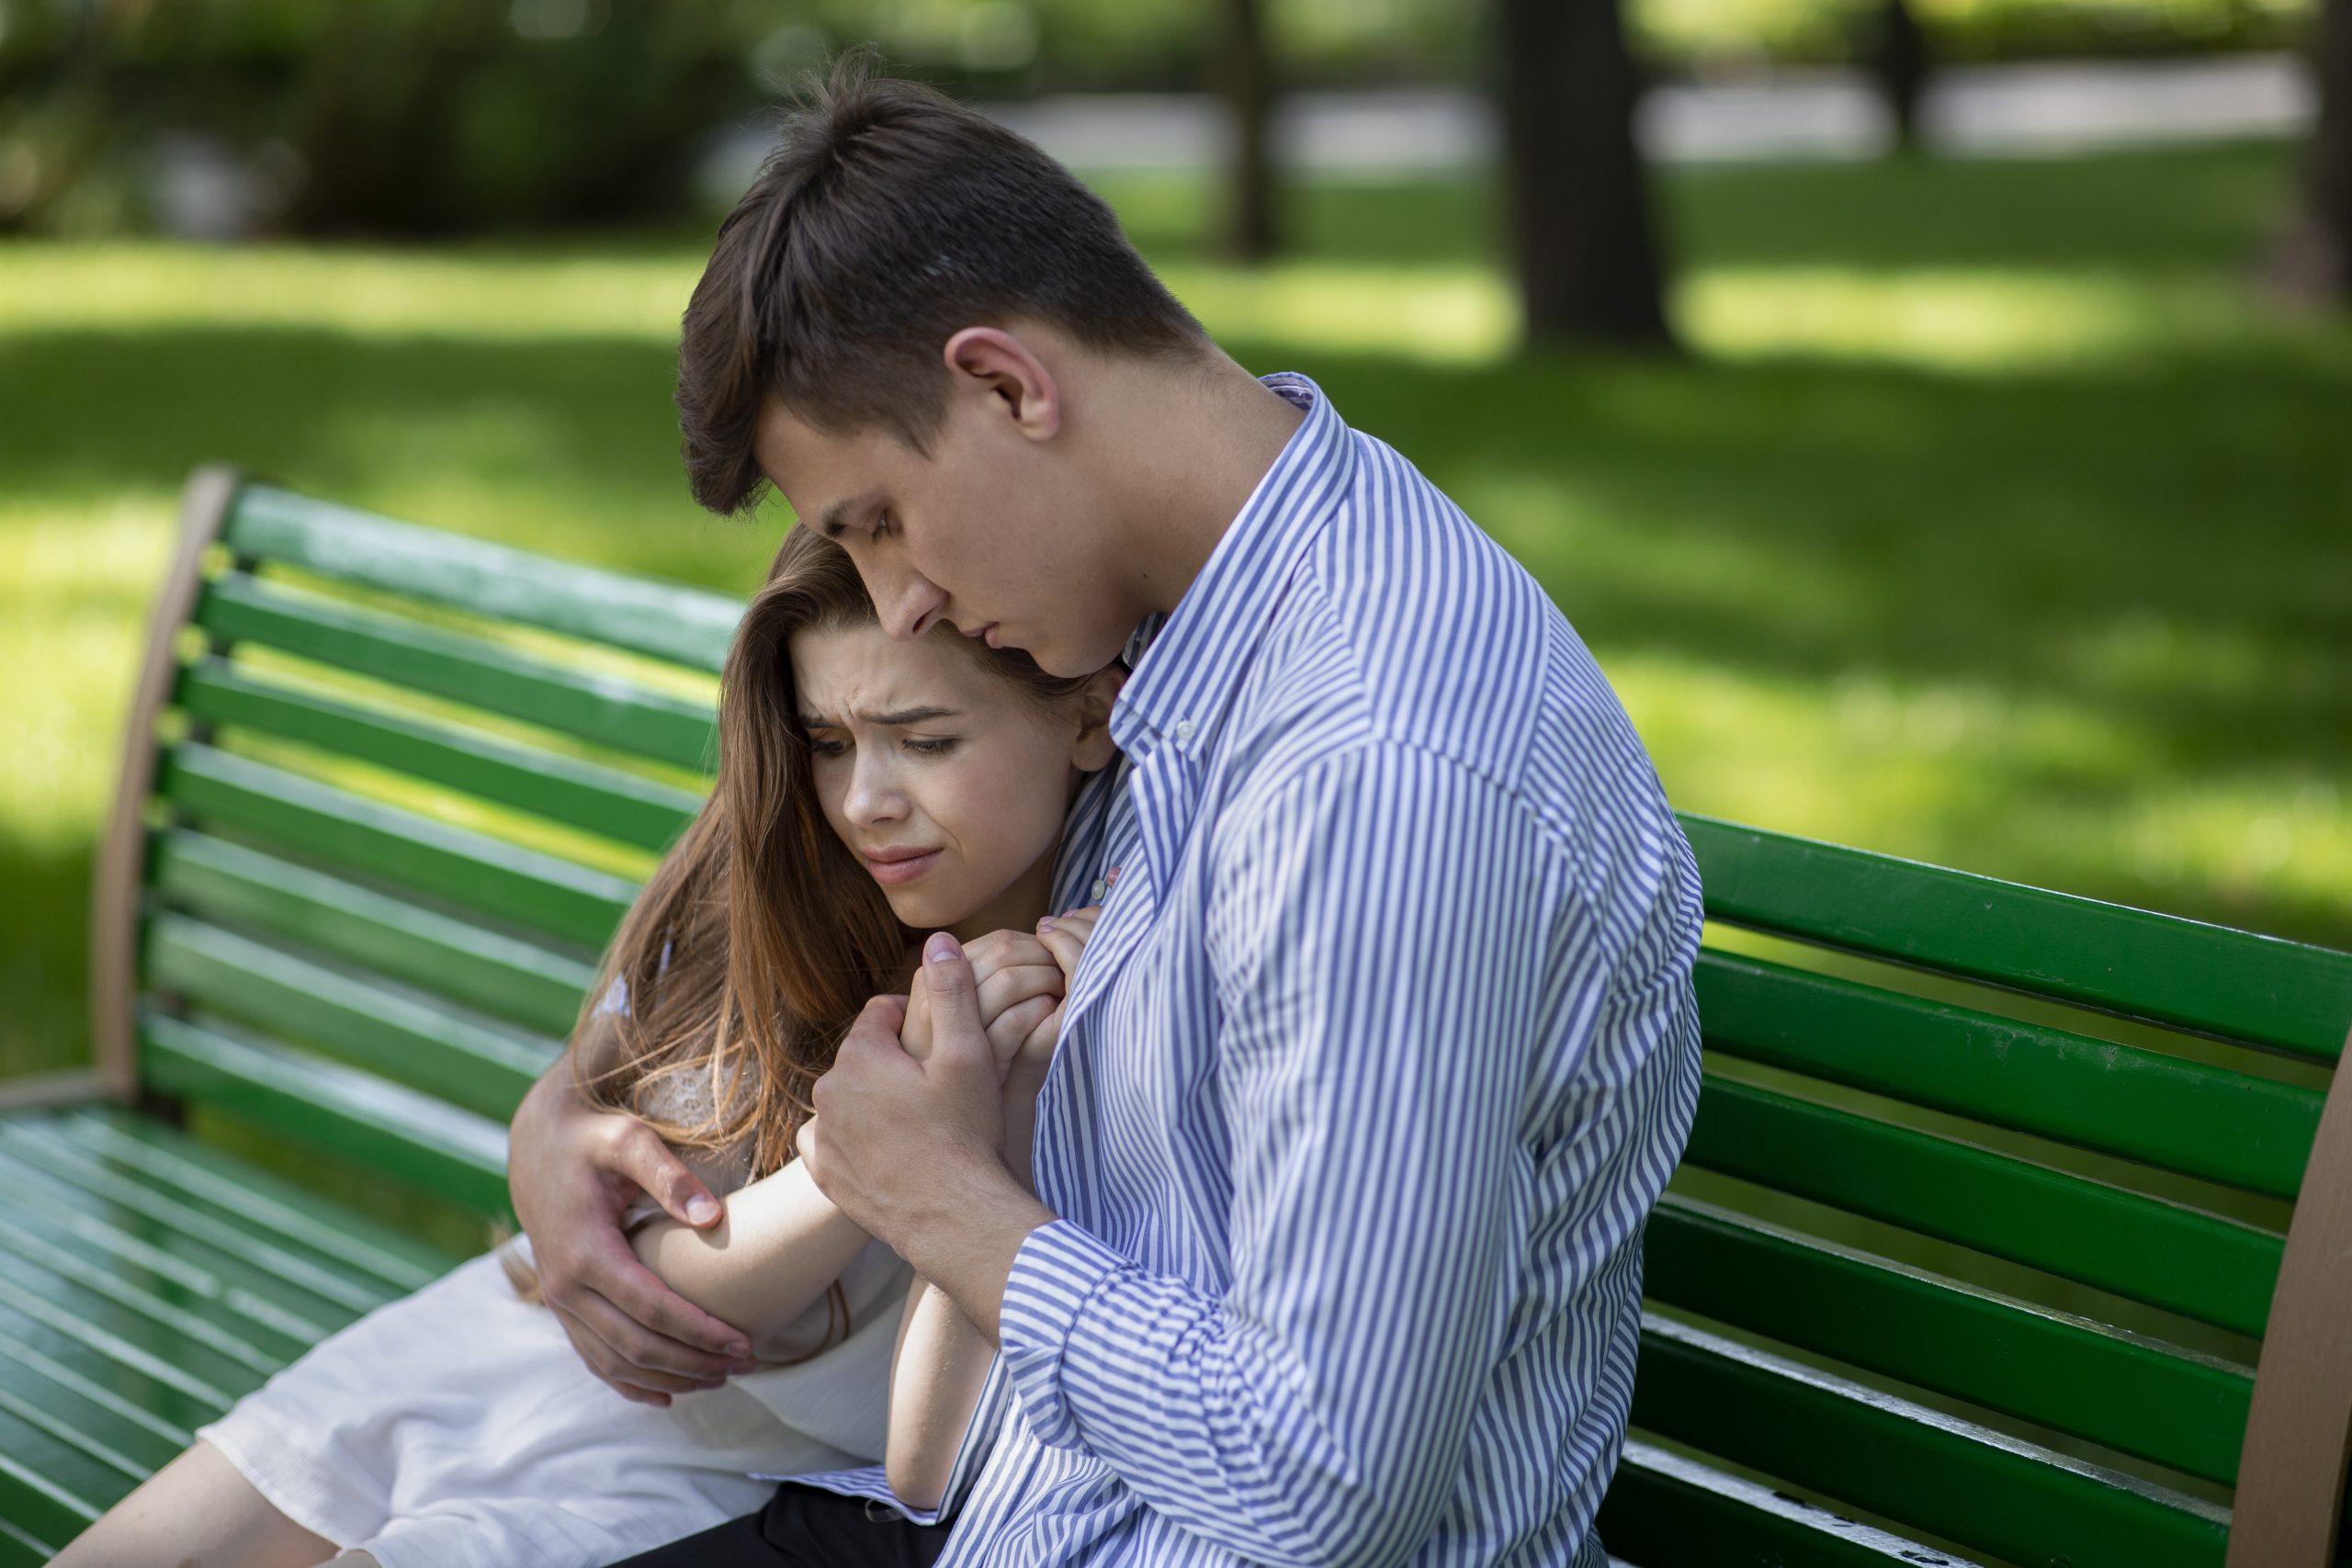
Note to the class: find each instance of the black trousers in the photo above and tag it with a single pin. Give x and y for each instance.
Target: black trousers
(803, 1527)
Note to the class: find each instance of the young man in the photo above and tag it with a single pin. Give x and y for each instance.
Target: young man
(1384, 1043)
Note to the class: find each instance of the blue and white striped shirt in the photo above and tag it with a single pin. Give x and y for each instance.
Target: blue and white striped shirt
(1380, 1052)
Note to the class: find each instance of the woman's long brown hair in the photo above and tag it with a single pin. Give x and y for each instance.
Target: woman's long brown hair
(760, 936)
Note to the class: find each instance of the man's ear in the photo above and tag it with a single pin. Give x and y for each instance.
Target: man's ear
(994, 364)
(1094, 750)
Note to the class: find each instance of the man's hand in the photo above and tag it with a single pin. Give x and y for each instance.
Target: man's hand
(573, 1172)
(908, 1148)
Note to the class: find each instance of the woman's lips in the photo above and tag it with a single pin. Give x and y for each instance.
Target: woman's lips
(902, 868)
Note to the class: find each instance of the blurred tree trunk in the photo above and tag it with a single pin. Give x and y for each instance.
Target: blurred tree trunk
(1899, 60)
(1587, 253)
(1246, 81)
(2316, 261)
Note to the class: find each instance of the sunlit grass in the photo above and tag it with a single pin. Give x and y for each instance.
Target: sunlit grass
(1994, 520)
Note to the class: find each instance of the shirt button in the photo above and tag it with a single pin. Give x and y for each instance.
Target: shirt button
(1183, 729)
(1099, 888)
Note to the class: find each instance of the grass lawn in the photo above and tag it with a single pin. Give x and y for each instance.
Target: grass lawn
(1991, 521)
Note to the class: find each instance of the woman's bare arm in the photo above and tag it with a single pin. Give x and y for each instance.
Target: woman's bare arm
(936, 1375)
(781, 1244)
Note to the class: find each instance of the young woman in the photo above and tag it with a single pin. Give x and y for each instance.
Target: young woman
(869, 792)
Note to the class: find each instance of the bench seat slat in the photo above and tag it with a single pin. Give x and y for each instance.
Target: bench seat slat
(666, 620)
(407, 1040)
(121, 1317)
(161, 1268)
(636, 811)
(1909, 1464)
(2208, 978)
(65, 1412)
(49, 1486)
(2181, 1115)
(1668, 1510)
(589, 707)
(485, 970)
(425, 1142)
(2165, 1254)
(351, 1259)
(142, 1237)
(2117, 1389)
(20, 1547)
(570, 902)
(169, 1408)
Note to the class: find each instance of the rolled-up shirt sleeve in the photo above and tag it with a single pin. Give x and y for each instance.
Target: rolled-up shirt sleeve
(1383, 930)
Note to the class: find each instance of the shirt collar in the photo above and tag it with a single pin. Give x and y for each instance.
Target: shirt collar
(1187, 663)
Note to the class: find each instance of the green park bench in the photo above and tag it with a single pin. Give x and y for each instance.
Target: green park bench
(1989, 1218)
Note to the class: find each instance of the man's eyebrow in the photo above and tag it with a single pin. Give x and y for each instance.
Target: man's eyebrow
(838, 515)
(896, 717)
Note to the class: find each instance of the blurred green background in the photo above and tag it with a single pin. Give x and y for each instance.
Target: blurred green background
(1993, 514)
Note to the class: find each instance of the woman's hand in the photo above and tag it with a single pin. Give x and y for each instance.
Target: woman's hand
(1019, 985)
(1064, 937)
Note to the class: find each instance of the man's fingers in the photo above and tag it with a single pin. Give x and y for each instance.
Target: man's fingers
(955, 1032)
(640, 1154)
(603, 1336)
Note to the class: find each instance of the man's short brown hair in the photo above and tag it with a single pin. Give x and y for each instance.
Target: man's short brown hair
(890, 218)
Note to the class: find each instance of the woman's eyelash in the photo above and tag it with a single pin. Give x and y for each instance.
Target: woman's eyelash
(939, 747)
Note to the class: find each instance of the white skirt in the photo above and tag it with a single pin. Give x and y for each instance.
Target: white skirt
(457, 1428)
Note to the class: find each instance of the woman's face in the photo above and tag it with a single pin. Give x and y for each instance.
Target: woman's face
(946, 781)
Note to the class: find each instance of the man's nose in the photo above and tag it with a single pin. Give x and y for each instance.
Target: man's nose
(910, 608)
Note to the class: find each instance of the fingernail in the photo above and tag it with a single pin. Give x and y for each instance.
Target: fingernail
(941, 948)
(743, 1366)
(702, 1211)
(1046, 925)
(741, 1350)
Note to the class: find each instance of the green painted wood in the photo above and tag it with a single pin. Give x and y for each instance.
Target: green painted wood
(476, 968)
(144, 1355)
(61, 1410)
(21, 1548)
(123, 1316)
(370, 1260)
(140, 1240)
(2208, 978)
(165, 1408)
(416, 1138)
(570, 902)
(2133, 1394)
(194, 1314)
(667, 620)
(49, 1488)
(2165, 1254)
(1667, 1510)
(590, 706)
(634, 810)
(2181, 1115)
(106, 1191)
(1908, 1464)
(63, 1236)
(431, 1049)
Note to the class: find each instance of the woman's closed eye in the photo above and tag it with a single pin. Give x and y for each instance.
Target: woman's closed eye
(926, 746)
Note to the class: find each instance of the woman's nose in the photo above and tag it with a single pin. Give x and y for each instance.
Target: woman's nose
(874, 795)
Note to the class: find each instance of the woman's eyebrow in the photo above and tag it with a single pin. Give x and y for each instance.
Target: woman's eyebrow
(896, 717)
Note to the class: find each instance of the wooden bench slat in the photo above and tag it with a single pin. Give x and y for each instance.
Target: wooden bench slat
(570, 902)
(144, 1238)
(287, 1259)
(197, 1316)
(147, 1350)
(2232, 984)
(2165, 1254)
(666, 620)
(423, 1141)
(123, 1317)
(169, 1410)
(485, 970)
(430, 1049)
(1909, 1464)
(66, 1412)
(636, 811)
(590, 706)
(22, 1549)
(70, 1227)
(51, 1487)
(365, 1262)
(2068, 1373)
(1668, 1510)
(2181, 1115)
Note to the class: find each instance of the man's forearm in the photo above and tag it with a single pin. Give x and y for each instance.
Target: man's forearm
(965, 1238)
